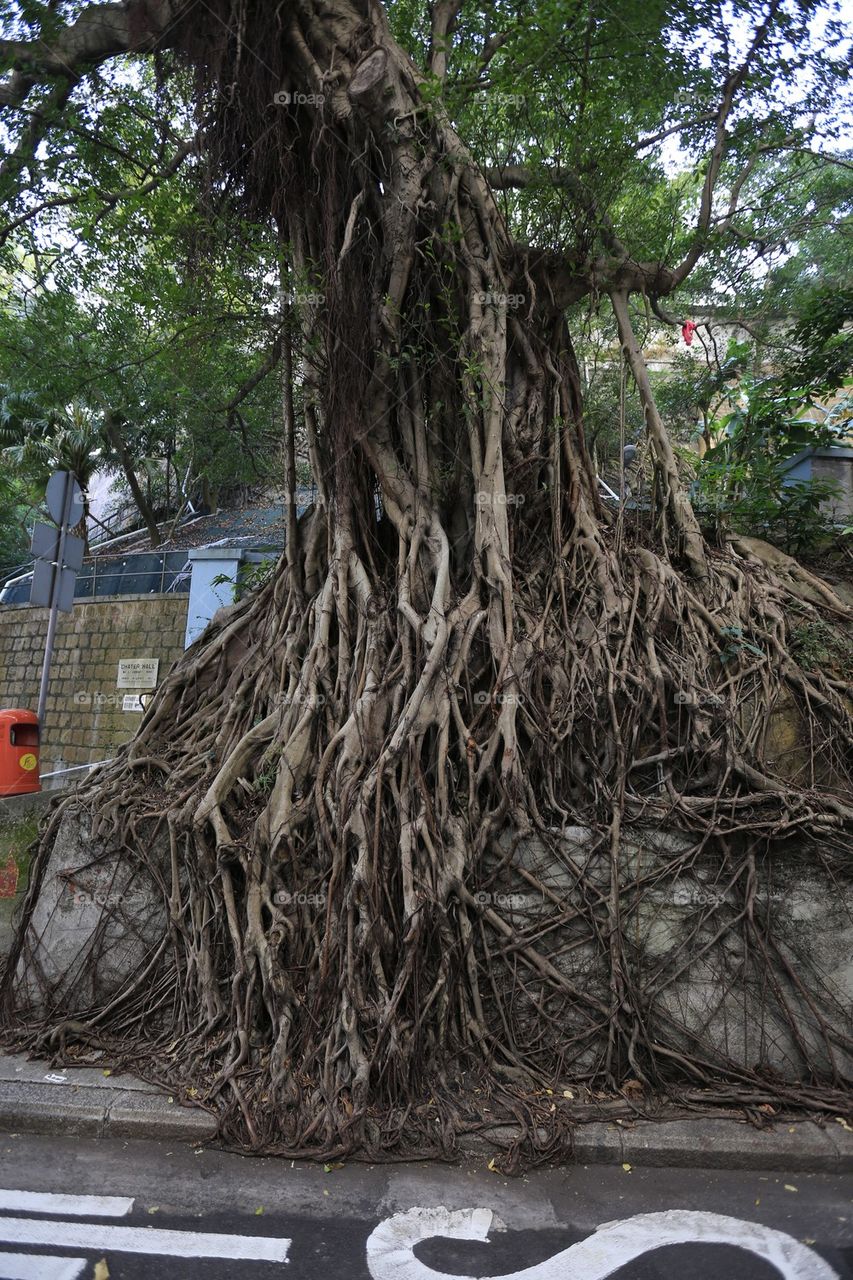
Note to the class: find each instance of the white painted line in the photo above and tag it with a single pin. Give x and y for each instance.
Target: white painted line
(390, 1247)
(33, 1266)
(76, 1206)
(147, 1240)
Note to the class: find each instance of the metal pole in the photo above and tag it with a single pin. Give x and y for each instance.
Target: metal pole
(54, 605)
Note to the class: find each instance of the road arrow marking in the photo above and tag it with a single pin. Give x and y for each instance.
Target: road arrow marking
(390, 1248)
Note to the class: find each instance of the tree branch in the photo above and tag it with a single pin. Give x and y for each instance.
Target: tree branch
(109, 198)
(731, 88)
(100, 32)
(264, 368)
(443, 15)
(517, 177)
(677, 500)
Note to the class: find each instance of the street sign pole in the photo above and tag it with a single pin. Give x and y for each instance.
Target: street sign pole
(67, 501)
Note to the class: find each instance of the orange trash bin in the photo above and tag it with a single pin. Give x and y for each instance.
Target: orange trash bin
(19, 752)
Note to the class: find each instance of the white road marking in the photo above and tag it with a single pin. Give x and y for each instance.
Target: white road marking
(76, 1206)
(31, 1266)
(146, 1240)
(390, 1256)
(53, 1077)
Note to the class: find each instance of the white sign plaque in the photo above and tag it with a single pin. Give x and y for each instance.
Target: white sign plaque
(132, 702)
(137, 673)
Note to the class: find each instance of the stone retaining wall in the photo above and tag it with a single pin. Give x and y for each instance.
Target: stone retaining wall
(84, 720)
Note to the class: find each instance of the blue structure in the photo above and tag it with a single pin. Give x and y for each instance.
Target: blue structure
(834, 463)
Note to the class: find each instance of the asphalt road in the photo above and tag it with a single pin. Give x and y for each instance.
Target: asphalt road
(166, 1211)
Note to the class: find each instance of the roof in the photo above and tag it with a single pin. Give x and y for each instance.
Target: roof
(261, 526)
(838, 451)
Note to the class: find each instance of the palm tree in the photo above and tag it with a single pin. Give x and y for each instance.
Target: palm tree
(37, 442)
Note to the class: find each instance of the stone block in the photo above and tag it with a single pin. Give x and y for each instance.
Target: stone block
(145, 1115)
(710, 1143)
(35, 1108)
(90, 897)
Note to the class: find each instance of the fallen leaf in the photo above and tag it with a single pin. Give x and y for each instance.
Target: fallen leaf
(549, 1092)
(626, 1167)
(788, 1187)
(758, 1201)
(844, 1125)
(492, 1166)
(808, 1240)
(107, 1071)
(567, 1093)
(330, 1168)
(192, 1092)
(259, 1210)
(155, 1208)
(102, 1271)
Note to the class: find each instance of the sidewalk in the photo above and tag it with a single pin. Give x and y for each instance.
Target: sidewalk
(36, 1098)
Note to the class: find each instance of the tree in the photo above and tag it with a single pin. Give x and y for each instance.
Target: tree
(14, 509)
(459, 655)
(38, 442)
(148, 321)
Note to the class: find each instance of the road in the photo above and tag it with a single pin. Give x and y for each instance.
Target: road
(154, 1210)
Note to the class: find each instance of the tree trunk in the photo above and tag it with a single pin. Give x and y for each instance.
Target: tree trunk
(114, 435)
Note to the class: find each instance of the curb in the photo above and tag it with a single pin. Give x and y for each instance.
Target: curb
(705, 1144)
(700, 1143)
(87, 1102)
(713, 1143)
(99, 1113)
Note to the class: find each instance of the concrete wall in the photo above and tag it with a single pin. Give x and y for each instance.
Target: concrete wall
(84, 720)
(840, 471)
(702, 990)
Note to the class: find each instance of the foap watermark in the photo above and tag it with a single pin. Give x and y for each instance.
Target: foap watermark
(507, 901)
(94, 698)
(285, 98)
(300, 699)
(696, 698)
(284, 898)
(107, 898)
(504, 699)
(302, 297)
(483, 499)
(685, 895)
(512, 301)
(498, 99)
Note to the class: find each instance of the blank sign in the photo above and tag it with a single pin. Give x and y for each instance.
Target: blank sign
(55, 496)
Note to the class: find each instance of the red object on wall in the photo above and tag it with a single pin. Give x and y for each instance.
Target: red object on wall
(9, 878)
(687, 331)
(19, 752)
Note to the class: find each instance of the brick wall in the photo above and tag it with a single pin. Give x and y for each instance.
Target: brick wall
(84, 720)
